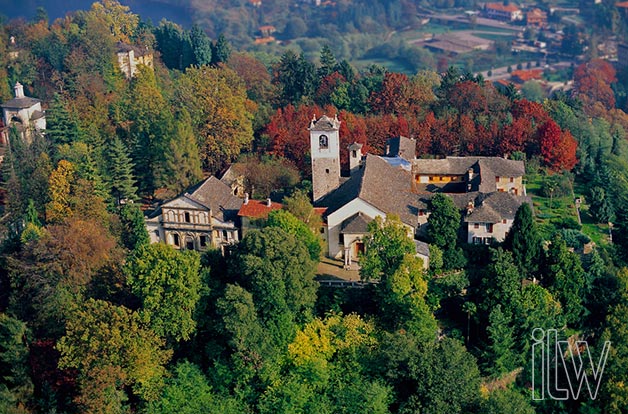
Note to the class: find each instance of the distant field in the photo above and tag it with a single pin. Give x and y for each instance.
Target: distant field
(391, 65)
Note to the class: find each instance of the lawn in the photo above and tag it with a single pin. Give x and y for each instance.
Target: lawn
(551, 213)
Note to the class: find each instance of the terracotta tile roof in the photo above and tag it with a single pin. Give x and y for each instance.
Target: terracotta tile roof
(258, 209)
(501, 7)
(623, 4)
(526, 75)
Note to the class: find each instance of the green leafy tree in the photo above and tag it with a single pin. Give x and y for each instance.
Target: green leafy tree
(600, 206)
(444, 222)
(385, 248)
(240, 319)
(220, 112)
(61, 179)
(134, 233)
(299, 205)
(104, 341)
(524, 241)
(507, 400)
(168, 283)
(188, 392)
(295, 77)
(283, 219)
(502, 283)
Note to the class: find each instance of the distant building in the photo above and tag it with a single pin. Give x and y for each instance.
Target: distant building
(500, 11)
(23, 113)
(130, 56)
(536, 18)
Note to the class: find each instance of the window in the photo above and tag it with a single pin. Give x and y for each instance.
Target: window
(225, 235)
(497, 178)
(323, 142)
(341, 239)
(203, 240)
(476, 225)
(421, 212)
(187, 217)
(504, 221)
(322, 230)
(512, 179)
(327, 170)
(354, 154)
(189, 244)
(157, 233)
(489, 227)
(175, 240)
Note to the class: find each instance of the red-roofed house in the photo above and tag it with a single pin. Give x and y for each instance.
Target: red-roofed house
(536, 17)
(254, 212)
(522, 76)
(500, 11)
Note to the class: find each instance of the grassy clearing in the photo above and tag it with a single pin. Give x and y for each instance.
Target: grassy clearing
(552, 212)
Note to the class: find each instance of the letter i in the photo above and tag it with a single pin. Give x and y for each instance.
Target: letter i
(538, 392)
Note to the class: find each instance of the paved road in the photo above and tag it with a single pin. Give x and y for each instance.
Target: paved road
(502, 72)
(480, 21)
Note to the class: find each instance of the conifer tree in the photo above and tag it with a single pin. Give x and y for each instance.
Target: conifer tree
(183, 165)
(201, 46)
(61, 126)
(121, 169)
(524, 241)
(221, 50)
(328, 62)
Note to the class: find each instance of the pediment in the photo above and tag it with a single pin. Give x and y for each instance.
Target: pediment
(184, 202)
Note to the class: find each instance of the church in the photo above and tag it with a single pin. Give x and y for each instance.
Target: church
(24, 113)
(487, 190)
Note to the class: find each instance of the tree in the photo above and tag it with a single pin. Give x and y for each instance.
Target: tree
(444, 222)
(61, 126)
(168, 283)
(183, 165)
(600, 206)
(220, 112)
(328, 62)
(295, 78)
(134, 232)
(564, 277)
(385, 248)
(221, 50)
(58, 209)
(502, 284)
(283, 219)
(501, 353)
(121, 172)
(110, 343)
(15, 381)
(117, 18)
(188, 392)
(201, 46)
(558, 148)
(524, 241)
(298, 204)
(507, 400)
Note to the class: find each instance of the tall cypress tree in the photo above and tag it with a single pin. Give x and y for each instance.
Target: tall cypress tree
(221, 50)
(201, 46)
(121, 169)
(61, 126)
(524, 241)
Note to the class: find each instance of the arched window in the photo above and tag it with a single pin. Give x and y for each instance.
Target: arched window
(323, 142)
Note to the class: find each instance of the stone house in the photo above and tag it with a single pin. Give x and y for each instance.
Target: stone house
(488, 190)
(129, 57)
(205, 216)
(253, 213)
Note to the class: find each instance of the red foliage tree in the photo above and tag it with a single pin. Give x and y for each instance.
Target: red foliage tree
(592, 83)
(327, 86)
(392, 98)
(445, 140)
(513, 137)
(468, 98)
(352, 129)
(423, 134)
(289, 136)
(558, 148)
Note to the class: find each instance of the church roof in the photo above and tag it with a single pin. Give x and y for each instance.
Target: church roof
(325, 123)
(20, 103)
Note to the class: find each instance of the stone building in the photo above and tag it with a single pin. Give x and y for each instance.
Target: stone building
(487, 190)
(205, 216)
(129, 57)
(23, 113)
(325, 153)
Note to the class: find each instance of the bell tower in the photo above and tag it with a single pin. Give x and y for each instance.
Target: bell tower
(325, 154)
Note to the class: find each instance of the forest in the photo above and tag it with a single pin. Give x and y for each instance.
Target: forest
(95, 319)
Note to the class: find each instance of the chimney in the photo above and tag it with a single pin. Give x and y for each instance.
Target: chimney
(268, 202)
(19, 90)
(470, 174)
(470, 207)
(246, 198)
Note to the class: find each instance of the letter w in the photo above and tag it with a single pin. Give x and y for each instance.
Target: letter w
(579, 373)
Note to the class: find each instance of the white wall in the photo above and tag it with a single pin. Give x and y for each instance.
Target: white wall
(334, 222)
